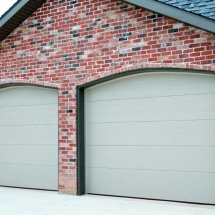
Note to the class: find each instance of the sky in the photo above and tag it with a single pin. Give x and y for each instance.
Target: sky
(5, 5)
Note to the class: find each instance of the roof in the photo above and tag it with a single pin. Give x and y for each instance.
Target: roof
(168, 8)
(202, 7)
(193, 12)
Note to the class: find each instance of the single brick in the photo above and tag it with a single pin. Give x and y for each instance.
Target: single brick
(123, 38)
(152, 16)
(69, 111)
(117, 27)
(89, 36)
(105, 26)
(57, 64)
(73, 2)
(65, 92)
(68, 59)
(173, 30)
(89, 29)
(123, 6)
(136, 49)
(76, 35)
(80, 53)
(13, 46)
(78, 76)
(127, 34)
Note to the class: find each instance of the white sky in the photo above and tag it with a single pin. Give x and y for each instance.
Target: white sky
(5, 5)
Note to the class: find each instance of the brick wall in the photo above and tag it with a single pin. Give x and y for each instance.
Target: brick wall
(66, 43)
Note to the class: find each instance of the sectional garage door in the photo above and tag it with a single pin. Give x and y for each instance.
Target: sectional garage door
(152, 136)
(29, 137)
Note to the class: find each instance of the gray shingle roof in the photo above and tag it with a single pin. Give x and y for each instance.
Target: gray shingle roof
(202, 7)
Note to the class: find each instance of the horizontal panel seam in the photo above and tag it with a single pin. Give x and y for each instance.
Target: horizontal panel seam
(154, 170)
(152, 97)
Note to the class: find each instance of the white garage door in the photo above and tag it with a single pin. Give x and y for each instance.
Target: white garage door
(29, 137)
(152, 136)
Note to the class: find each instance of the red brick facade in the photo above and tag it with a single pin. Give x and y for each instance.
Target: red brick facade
(66, 43)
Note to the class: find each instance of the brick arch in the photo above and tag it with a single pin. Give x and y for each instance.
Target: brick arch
(20, 82)
(200, 68)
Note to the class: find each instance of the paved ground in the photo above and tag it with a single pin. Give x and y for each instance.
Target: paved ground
(31, 202)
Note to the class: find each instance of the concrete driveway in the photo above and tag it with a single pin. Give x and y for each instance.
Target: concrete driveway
(31, 202)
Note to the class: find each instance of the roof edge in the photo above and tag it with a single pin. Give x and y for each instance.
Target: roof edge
(176, 13)
(12, 11)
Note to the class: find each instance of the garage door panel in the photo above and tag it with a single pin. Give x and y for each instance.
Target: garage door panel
(153, 85)
(143, 133)
(34, 154)
(22, 135)
(37, 114)
(152, 136)
(46, 177)
(164, 185)
(171, 158)
(157, 109)
(29, 137)
(19, 96)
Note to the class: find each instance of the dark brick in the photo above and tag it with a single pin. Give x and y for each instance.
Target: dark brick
(65, 55)
(69, 111)
(57, 64)
(89, 29)
(76, 65)
(142, 35)
(76, 35)
(73, 2)
(123, 38)
(89, 36)
(68, 59)
(152, 16)
(68, 66)
(173, 30)
(214, 61)
(80, 53)
(40, 27)
(117, 27)
(13, 46)
(137, 8)
(136, 49)
(39, 76)
(65, 92)
(23, 68)
(157, 29)
(78, 76)
(73, 32)
(98, 20)
(127, 34)
(61, 1)
(105, 26)
(72, 160)
(123, 6)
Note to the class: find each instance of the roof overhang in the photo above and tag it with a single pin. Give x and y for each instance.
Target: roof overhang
(176, 13)
(16, 15)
